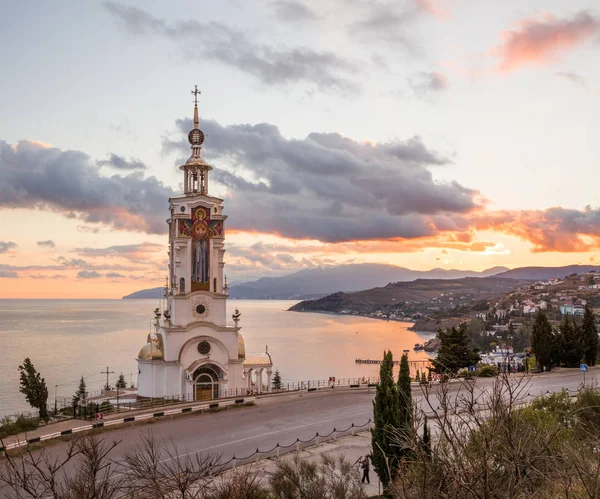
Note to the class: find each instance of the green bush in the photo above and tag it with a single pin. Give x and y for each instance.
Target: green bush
(559, 404)
(486, 371)
(19, 424)
(587, 405)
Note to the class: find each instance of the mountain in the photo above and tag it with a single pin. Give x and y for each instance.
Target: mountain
(419, 294)
(313, 283)
(545, 273)
(146, 294)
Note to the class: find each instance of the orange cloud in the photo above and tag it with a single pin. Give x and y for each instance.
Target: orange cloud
(554, 229)
(540, 40)
(436, 8)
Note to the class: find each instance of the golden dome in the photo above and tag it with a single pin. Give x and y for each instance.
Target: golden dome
(149, 352)
(153, 349)
(241, 347)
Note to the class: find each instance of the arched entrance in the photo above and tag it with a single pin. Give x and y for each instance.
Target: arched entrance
(206, 382)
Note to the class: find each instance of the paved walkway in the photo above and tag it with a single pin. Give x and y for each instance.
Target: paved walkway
(351, 447)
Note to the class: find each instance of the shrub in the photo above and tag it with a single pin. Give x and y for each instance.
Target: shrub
(487, 371)
(587, 405)
(558, 403)
(19, 424)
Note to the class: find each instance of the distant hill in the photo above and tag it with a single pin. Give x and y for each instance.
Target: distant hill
(545, 273)
(313, 283)
(146, 294)
(466, 290)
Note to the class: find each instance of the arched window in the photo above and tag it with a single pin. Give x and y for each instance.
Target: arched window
(215, 284)
(182, 285)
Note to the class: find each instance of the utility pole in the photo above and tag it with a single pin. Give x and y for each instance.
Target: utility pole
(107, 372)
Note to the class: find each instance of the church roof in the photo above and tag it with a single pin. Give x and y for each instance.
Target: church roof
(258, 359)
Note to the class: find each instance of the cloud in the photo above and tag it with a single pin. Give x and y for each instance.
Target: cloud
(573, 78)
(47, 244)
(114, 275)
(134, 252)
(436, 8)
(68, 183)
(329, 187)
(46, 276)
(8, 274)
(120, 163)
(293, 11)
(88, 274)
(553, 229)
(427, 83)
(271, 64)
(6, 246)
(539, 41)
(388, 24)
(85, 228)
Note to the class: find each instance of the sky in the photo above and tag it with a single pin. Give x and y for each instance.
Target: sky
(453, 134)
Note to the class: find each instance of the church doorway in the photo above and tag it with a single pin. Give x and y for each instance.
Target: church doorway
(206, 383)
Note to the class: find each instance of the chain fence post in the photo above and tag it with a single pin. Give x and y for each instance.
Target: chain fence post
(233, 462)
(318, 438)
(277, 450)
(257, 454)
(352, 432)
(297, 445)
(334, 432)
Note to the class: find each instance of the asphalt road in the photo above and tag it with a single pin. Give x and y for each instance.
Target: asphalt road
(283, 419)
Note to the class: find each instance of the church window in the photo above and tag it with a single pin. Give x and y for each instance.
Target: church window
(215, 284)
(204, 347)
(182, 285)
(215, 209)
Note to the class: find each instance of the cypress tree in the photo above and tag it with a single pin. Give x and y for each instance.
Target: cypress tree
(454, 352)
(571, 342)
(33, 386)
(426, 438)
(423, 378)
(542, 341)
(405, 394)
(81, 391)
(386, 419)
(590, 336)
(121, 383)
(276, 380)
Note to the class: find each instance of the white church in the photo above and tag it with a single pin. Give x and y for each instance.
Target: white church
(192, 352)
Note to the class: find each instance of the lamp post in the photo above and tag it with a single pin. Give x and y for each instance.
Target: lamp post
(55, 404)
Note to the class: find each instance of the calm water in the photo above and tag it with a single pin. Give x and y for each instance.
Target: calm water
(66, 339)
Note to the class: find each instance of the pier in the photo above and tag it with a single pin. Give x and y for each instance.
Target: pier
(412, 363)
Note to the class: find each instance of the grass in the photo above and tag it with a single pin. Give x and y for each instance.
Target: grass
(10, 425)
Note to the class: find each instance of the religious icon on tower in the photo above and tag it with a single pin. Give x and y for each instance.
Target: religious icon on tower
(200, 261)
(200, 229)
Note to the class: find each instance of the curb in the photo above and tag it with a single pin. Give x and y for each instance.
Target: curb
(130, 419)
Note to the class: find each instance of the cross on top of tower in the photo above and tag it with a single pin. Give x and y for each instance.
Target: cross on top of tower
(195, 93)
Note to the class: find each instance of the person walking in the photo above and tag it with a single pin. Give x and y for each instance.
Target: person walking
(365, 467)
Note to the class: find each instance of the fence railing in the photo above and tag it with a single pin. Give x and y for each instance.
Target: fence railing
(111, 402)
(296, 445)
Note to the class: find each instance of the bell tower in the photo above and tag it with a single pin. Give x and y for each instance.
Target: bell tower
(191, 351)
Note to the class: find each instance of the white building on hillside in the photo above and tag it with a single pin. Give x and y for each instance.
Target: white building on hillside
(191, 351)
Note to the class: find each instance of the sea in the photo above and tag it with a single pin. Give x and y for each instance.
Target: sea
(67, 339)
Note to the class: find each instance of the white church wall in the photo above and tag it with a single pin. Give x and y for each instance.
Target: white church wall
(184, 308)
(218, 352)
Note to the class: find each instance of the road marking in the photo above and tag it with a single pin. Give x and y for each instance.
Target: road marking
(264, 435)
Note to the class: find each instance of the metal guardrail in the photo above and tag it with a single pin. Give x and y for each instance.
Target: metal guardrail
(130, 419)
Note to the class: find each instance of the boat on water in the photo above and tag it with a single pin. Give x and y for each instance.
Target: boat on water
(419, 346)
